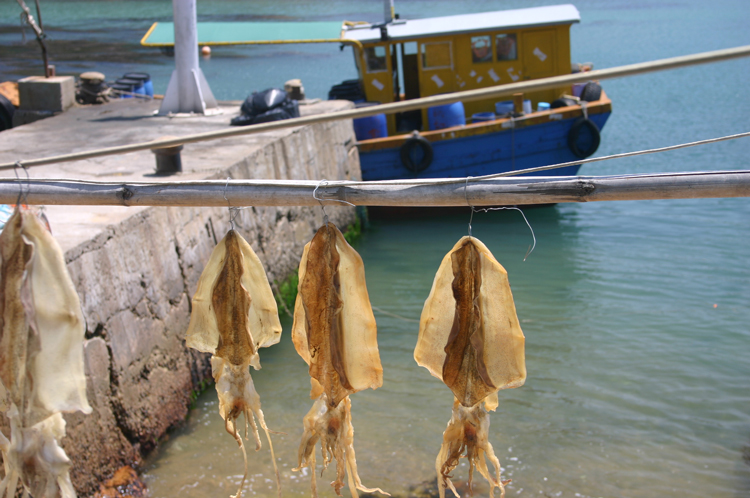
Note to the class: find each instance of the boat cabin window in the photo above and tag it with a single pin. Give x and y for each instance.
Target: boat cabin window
(506, 47)
(375, 57)
(481, 49)
(436, 55)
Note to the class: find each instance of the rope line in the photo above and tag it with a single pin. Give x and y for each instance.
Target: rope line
(427, 181)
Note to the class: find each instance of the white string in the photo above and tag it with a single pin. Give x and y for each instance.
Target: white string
(473, 210)
(233, 211)
(531, 248)
(322, 206)
(320, 201)
(19, 164)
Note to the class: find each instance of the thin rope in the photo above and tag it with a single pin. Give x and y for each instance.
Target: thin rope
(615, 156)
(466, 196)
(455, 181)
(531, 247)
(562, 165)
(473, 210)
(19, 164)
(233, 211)
(320, 201)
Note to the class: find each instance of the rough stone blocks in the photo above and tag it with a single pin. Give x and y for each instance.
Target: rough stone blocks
(37, 93)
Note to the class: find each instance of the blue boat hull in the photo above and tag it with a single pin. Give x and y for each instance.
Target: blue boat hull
(531, 146)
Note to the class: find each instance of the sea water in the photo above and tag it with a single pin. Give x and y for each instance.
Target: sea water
(636, 314)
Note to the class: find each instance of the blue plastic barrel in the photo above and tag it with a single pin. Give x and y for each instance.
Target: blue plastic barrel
(371, 127)
(542, 106)
(481, 117)
(145, 78)
(136, 86)
(445, 116)
(504, 108)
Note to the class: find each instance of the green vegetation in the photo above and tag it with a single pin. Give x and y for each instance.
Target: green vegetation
(202, 386)
(286, 293)
(354, 231)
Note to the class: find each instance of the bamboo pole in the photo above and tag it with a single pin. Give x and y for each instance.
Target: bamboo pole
(406, 193)
(408, 105)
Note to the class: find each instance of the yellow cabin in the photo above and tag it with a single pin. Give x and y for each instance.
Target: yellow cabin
(407, 59)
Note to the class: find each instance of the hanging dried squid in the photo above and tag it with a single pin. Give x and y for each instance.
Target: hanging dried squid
(334, 331)
(234, 314)
(470, 338)
(41, 358)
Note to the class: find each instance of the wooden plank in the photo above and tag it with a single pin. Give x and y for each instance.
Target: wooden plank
(408, 193)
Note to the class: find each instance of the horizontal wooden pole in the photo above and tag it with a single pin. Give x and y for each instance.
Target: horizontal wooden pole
(408, 105)
(407, 193)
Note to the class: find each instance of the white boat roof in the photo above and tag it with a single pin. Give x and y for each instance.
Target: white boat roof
(403, 29)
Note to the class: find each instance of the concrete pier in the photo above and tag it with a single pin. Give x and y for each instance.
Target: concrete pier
(136, 268)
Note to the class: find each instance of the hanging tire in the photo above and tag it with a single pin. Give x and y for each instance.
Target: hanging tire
(583, 138)
(416, 154)
(591, 92)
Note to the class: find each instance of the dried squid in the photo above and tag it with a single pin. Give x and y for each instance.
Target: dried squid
(470, 338)
(234, 314)
(41, 358)
(334, 331)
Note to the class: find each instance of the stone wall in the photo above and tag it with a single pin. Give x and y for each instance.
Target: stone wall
(135, 281)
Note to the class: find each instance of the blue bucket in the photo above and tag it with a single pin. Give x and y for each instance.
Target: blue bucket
(145, 79)
(445, 116)
(504, 108)
(371, 127)
(481, 117)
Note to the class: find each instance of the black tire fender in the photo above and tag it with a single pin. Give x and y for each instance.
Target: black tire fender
(591, 92)
(407, 154)
(575, 133)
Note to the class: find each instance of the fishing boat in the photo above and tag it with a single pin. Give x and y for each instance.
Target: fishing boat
(404, 59)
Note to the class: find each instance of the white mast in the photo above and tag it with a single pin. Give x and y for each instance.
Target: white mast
(188, 91)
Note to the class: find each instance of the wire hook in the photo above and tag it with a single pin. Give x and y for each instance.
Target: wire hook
(466, 196)
(19, 164)
(233, 211)
(320, 201)
(485, 210)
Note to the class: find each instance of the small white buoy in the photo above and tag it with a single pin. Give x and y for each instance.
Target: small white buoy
(206, 51)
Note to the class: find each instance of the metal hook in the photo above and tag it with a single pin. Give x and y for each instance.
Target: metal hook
(486, 210)
(232, 211)
(466, 196)
(320, 201)
(20, 184)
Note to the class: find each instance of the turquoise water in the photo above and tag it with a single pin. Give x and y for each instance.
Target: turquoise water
(636, 314)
